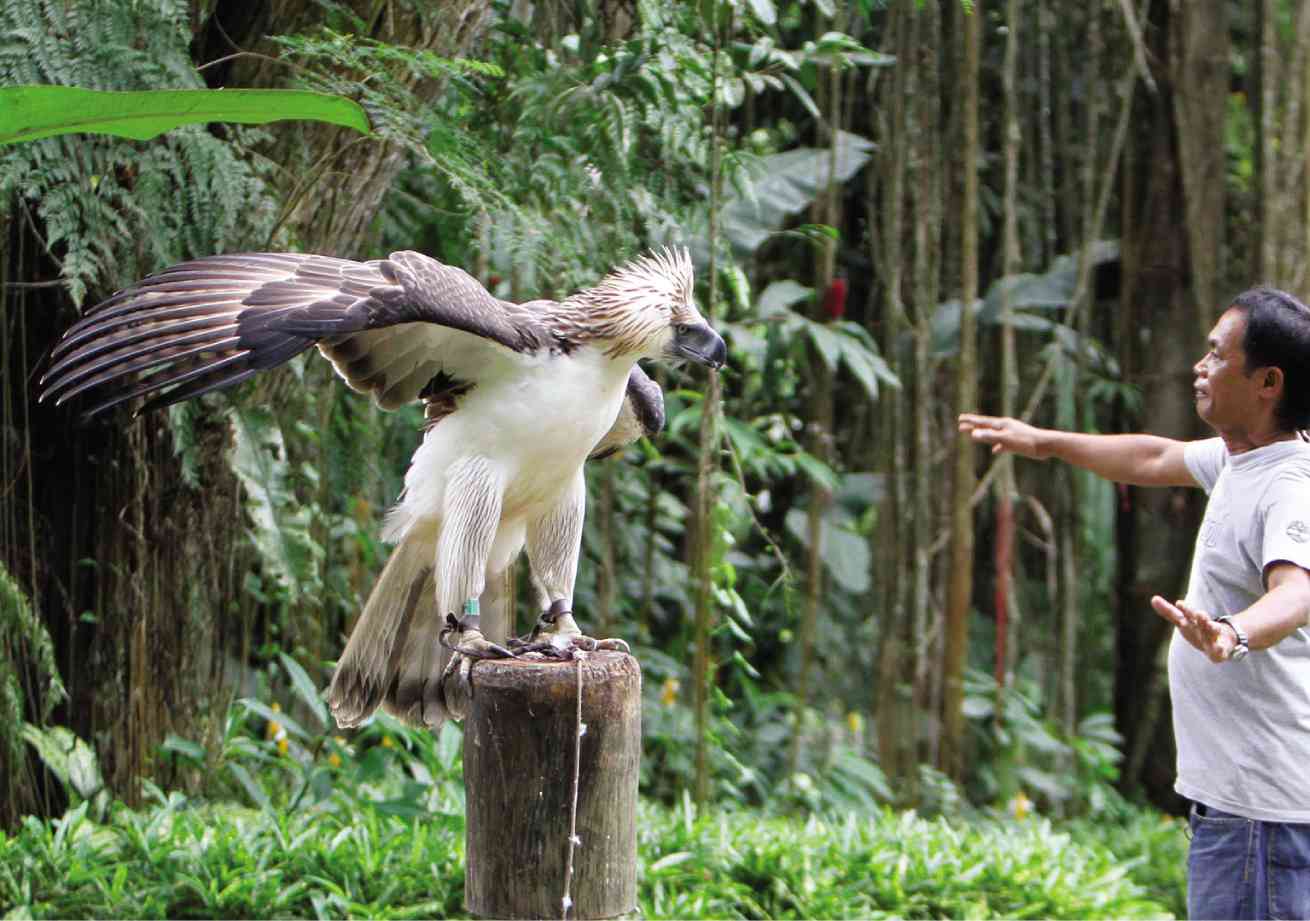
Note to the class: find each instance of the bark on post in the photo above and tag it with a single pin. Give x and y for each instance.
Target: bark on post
(519, 762)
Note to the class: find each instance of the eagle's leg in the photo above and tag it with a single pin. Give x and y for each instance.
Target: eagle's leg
(553, 545)
(470, 516)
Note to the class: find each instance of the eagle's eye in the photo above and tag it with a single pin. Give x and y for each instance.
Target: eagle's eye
(680, 328)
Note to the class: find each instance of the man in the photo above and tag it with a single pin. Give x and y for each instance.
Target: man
(1239, 661)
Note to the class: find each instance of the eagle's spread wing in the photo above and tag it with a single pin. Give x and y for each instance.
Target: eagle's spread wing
(388, 326)
(641, 415)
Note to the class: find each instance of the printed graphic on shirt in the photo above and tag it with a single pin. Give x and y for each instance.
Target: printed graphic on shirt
(1299, 531)
(1209, 528)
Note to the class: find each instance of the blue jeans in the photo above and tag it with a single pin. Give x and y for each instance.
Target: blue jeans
(1245, 868)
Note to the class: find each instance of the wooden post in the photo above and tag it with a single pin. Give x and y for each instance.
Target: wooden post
(519, 768)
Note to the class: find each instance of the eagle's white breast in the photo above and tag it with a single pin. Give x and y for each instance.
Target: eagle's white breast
(534, 420)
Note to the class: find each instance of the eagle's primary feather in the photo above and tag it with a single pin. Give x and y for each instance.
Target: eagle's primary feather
(516, 398)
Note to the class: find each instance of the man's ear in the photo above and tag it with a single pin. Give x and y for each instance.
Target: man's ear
(1272, 378)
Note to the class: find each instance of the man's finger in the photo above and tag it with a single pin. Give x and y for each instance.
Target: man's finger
(1168, 611)
(1196, 618)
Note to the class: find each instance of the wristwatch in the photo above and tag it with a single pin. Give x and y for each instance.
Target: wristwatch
(1242, 648)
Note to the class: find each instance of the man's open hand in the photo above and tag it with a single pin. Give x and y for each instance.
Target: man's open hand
(1209, 636)
(1003, 434)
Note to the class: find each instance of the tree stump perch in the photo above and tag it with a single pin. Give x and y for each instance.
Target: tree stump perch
(519, 745)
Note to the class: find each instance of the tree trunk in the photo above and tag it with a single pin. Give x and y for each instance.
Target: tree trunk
(1164, 520)
(1200, 68)
(1264, 100)
(893, 705)
(960, 595)
(825, 211)
(925, 185)
(704, 547)
(1005, 484)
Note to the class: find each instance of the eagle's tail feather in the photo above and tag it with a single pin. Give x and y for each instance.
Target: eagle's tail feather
(393, 657)
(414, 696)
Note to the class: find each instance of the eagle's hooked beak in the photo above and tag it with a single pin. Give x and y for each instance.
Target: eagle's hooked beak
(699, 343)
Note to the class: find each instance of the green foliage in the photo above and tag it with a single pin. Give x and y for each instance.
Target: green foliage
(1030, 295)
(73, 762)
(783, 184)
(1153, 848)
(1024, 753)
(113, 210)
(374, 827)
(340, 60)
(838, 344)
(23, 639)
(891, 865)
(29, 113)
(282, 522)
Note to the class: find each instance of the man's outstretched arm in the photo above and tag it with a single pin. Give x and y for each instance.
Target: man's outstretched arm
(1141, 460)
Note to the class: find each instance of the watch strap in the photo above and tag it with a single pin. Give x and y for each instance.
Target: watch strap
(1243, 646)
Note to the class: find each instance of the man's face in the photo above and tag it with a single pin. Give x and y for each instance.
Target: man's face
(1225, 391)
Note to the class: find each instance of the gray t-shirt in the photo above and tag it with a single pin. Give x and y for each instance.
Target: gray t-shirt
(1243, 728)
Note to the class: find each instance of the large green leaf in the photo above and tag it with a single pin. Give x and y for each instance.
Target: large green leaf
(73, 761)
(1029, 295)
(305, 688)
(259, 459)
(842, 343)
(1053, 289)
(784, 184)
(845, 553)
(28, 113)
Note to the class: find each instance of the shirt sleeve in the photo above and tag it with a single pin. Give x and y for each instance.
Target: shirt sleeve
(1287, 519)
(1205, 460)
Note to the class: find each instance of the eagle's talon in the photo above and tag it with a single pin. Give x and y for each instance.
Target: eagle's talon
(472, 643)
(469, 648)
(529, 646)
(480, 648)
(561, 641)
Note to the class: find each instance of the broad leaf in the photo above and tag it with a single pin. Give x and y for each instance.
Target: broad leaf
(28, 113)
(785, 184)
(781, 295)
(305, 688)
(845, 553)
(281, 534)
(838, 344)
(71, 760)
(764, 11)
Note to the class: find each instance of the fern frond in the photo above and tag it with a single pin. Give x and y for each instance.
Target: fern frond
(24, 643)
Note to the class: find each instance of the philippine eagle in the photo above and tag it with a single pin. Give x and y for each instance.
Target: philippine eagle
(516, 398)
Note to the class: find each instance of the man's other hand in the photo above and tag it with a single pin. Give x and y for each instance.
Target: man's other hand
(1209, 636)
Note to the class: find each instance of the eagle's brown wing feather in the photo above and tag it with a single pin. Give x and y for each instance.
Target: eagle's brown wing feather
(388, 326)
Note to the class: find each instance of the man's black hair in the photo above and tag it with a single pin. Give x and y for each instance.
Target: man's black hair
(1278, 336)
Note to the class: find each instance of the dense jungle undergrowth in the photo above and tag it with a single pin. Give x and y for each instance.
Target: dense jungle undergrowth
(304, 824)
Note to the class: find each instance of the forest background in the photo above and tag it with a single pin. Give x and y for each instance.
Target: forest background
(838, 604)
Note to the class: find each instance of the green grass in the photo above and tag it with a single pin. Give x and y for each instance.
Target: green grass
(299, 823)
(346, 857)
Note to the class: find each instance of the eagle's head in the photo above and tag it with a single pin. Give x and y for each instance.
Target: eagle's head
(647, 309)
